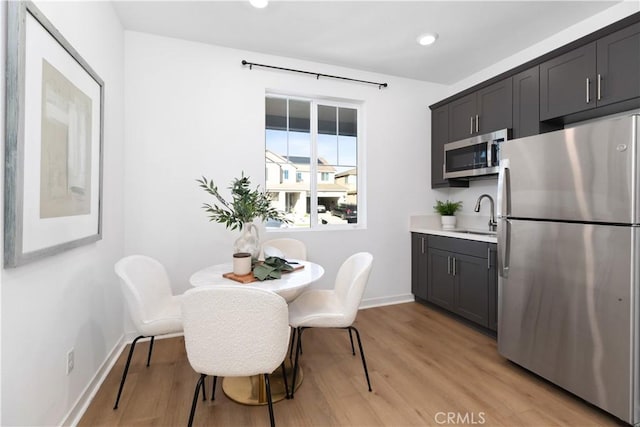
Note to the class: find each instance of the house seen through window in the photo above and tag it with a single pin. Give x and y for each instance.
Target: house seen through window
(311, 161)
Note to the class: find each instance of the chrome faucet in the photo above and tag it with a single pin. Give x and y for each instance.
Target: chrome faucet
(492, 218)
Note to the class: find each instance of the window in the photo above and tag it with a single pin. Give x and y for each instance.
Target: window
(318, 141)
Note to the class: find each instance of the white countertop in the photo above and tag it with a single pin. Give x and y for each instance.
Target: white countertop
(430, 224)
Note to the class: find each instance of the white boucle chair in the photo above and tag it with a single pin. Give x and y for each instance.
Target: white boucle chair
(153, 308)
(285, 248)
(333, 308)
(235, 330)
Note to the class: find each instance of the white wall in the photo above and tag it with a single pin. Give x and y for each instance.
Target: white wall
(193, 109)
(71, 300)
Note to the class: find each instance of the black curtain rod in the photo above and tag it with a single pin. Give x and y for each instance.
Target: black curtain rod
(253, 64)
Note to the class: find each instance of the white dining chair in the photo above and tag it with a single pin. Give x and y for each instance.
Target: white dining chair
(153, 308)
(333, 308)
(285, 248)
(235, 330)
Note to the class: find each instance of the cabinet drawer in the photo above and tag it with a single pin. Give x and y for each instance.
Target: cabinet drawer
(461, 246)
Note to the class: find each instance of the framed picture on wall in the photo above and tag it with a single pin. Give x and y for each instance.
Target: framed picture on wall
(53, 148)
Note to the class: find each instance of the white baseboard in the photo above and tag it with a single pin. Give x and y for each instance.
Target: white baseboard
(379, 302)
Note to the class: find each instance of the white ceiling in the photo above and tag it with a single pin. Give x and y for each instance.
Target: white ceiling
(378, 36)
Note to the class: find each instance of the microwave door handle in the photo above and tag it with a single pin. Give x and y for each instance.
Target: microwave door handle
(490, 154)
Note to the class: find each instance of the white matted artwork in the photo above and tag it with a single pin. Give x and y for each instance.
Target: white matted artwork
(53, 149)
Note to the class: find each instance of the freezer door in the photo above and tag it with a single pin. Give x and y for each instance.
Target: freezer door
(565, 308)
(587, 173)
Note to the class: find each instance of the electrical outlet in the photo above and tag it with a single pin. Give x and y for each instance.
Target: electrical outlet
(70, 361)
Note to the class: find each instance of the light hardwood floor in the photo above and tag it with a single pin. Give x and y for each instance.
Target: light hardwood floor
(423, 365)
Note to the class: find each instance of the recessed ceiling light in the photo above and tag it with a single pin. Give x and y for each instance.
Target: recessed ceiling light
(259, 4)
(427, 39)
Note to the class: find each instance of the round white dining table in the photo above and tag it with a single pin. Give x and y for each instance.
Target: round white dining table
(251, 390)
(289, 286)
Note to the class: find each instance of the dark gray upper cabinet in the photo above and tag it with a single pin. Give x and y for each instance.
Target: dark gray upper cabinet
(439, 137)
(494, 107)
(600, 73)
(526, 101)
(480, 112)
(526, 105)
(462, 114)
(618, 66)
(568, 83)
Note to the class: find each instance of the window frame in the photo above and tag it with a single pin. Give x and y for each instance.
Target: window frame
(359, 106)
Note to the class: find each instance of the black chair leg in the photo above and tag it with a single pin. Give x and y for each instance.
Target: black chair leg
(284, 379)
(269, 400)
(150, 350)
(295, 364)
(126, 369)
(199, 385)
(293, 340)
(213, 389)
(204, 390)
(353, 350)
(364, 363)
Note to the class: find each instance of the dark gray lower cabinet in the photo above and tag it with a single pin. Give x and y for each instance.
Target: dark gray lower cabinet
(458, 275)
(419, 265)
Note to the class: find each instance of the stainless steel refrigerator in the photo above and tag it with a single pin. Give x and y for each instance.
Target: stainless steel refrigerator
(569, 249)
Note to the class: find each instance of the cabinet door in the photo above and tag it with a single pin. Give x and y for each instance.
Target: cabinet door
(439, 137)
(419, 263)
(567, 83)
(471, 288)
(462, 113)
(440, 281)
(619, 66)
(526, 103)
(494, 107)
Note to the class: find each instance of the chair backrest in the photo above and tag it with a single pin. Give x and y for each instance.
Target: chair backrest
(145, 285)
(351, 281)
(291, 248)
(234, 330)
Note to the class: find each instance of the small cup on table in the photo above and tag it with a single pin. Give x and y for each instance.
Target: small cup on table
(241, 263)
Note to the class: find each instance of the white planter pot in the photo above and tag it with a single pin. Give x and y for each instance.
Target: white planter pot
(448, 222)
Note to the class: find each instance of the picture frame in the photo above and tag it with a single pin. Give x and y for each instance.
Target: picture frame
(54, 141)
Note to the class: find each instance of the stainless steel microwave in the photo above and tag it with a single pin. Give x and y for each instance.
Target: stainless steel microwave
(476, 156)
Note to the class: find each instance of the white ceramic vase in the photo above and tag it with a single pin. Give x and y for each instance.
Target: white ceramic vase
(448, 222)
(249, 241)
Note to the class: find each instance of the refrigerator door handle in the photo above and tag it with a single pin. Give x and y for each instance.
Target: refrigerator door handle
(504, 243)
(504, 203)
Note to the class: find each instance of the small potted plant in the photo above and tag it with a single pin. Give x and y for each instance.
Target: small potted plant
(447, 210)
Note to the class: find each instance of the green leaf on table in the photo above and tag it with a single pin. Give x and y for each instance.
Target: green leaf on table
(271, 268)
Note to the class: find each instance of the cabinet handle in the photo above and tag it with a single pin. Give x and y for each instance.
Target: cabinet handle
(599, 86)
(488, 258)
(477, 123)
(471, 126)
(454, 266)
(448, 265)
(588, 90)
(422, 238)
